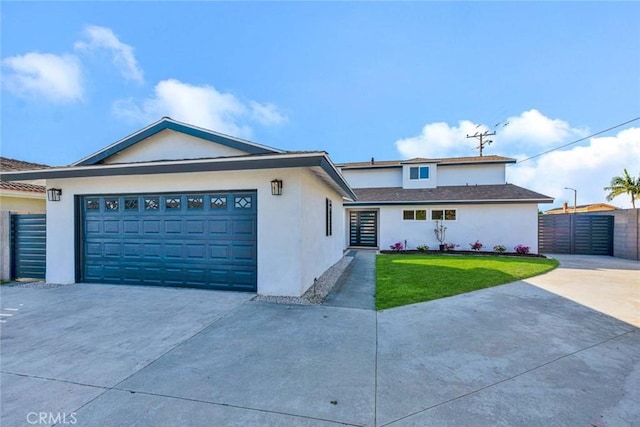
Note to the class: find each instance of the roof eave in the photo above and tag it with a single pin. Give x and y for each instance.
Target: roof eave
(174, 125)
(447, 202)
(313, 159)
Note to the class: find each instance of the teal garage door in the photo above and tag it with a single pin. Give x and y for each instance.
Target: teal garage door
(190, 240)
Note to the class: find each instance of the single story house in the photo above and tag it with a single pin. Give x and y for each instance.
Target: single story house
(594, 207)
(24, 197)
(178, 205)
(403, 201)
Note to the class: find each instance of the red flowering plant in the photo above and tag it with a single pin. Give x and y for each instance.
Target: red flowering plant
(476, 246)
(398, 247)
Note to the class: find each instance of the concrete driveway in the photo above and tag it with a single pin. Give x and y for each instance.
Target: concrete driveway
(117, 355)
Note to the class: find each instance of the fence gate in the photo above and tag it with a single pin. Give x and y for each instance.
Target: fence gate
(28, 246)
(575, 234)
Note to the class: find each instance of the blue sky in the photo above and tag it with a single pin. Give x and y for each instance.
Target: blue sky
(359, 80)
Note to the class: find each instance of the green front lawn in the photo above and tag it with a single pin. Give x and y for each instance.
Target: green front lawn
(407, 279)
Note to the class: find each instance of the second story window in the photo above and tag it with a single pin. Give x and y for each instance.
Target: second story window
(419, 172)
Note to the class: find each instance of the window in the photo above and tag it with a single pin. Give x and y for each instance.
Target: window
(418, 215)
(111, 204)
(443, 214)
(195, 202)
(419, 172)
(93, 204)
(172, 203)
(151, 203)
(243, 202)
(218, 202)
(328, 218)
(130, 204)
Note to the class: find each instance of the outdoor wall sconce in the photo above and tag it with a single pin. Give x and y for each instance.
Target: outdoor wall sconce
(276, 187)
(53, 194)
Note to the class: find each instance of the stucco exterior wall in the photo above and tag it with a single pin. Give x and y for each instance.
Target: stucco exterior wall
(280, 263)
(505, 224)
(486, 174)
(22, 204)
(318, 251)
(373, 178)
(170, 145)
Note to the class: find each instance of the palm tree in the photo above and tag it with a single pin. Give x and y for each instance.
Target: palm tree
(625, 184)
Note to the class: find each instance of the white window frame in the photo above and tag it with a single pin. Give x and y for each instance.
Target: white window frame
(415, 214)
(444, 215)
(419, 168)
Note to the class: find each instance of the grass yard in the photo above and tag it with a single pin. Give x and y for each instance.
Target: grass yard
(407, 279)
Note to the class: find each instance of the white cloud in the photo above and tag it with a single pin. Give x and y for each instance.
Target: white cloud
(587, 168)
(57, 78)
(530, 129)
(266, 114)
(202, 106)
(122, 53)
(440, 140)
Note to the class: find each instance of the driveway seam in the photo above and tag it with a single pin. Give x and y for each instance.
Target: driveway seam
(235, 406)
(507, 379)
(53, 379)
(162, 355)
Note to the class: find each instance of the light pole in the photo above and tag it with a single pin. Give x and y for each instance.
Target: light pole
(575, 197)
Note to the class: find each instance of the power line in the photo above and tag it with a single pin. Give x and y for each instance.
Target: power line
(481, 137)
(580, 140)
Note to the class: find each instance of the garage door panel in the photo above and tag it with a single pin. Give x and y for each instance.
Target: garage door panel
(173, 226)
(244, 228)
(131, 226)
(203, 240)
(195, 226)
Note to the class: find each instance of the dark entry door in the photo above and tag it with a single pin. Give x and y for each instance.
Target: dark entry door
(363, 228)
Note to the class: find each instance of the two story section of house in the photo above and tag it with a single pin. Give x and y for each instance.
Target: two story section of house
(402, 201)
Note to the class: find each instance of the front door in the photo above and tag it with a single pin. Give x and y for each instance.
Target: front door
(363, 228)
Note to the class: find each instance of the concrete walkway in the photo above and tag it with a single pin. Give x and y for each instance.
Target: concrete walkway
(511, 355)
(356, 288)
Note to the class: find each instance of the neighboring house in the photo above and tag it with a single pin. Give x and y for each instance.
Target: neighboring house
(16, 198)
(22, 197)
(400, 201)
(177, 205)
(594, 207)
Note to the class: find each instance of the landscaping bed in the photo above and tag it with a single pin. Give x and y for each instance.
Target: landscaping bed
(457, 252)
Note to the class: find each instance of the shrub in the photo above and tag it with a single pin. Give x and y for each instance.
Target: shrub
(499, 248)
(440, 231)
(476, 246)
(397, 247)
(522, 249)
(422, 248)
(450, 246)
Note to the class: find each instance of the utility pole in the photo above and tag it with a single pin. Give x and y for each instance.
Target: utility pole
(482, 136)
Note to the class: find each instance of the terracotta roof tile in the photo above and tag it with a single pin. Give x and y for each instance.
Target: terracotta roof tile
(19, 186)
(13, 165)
